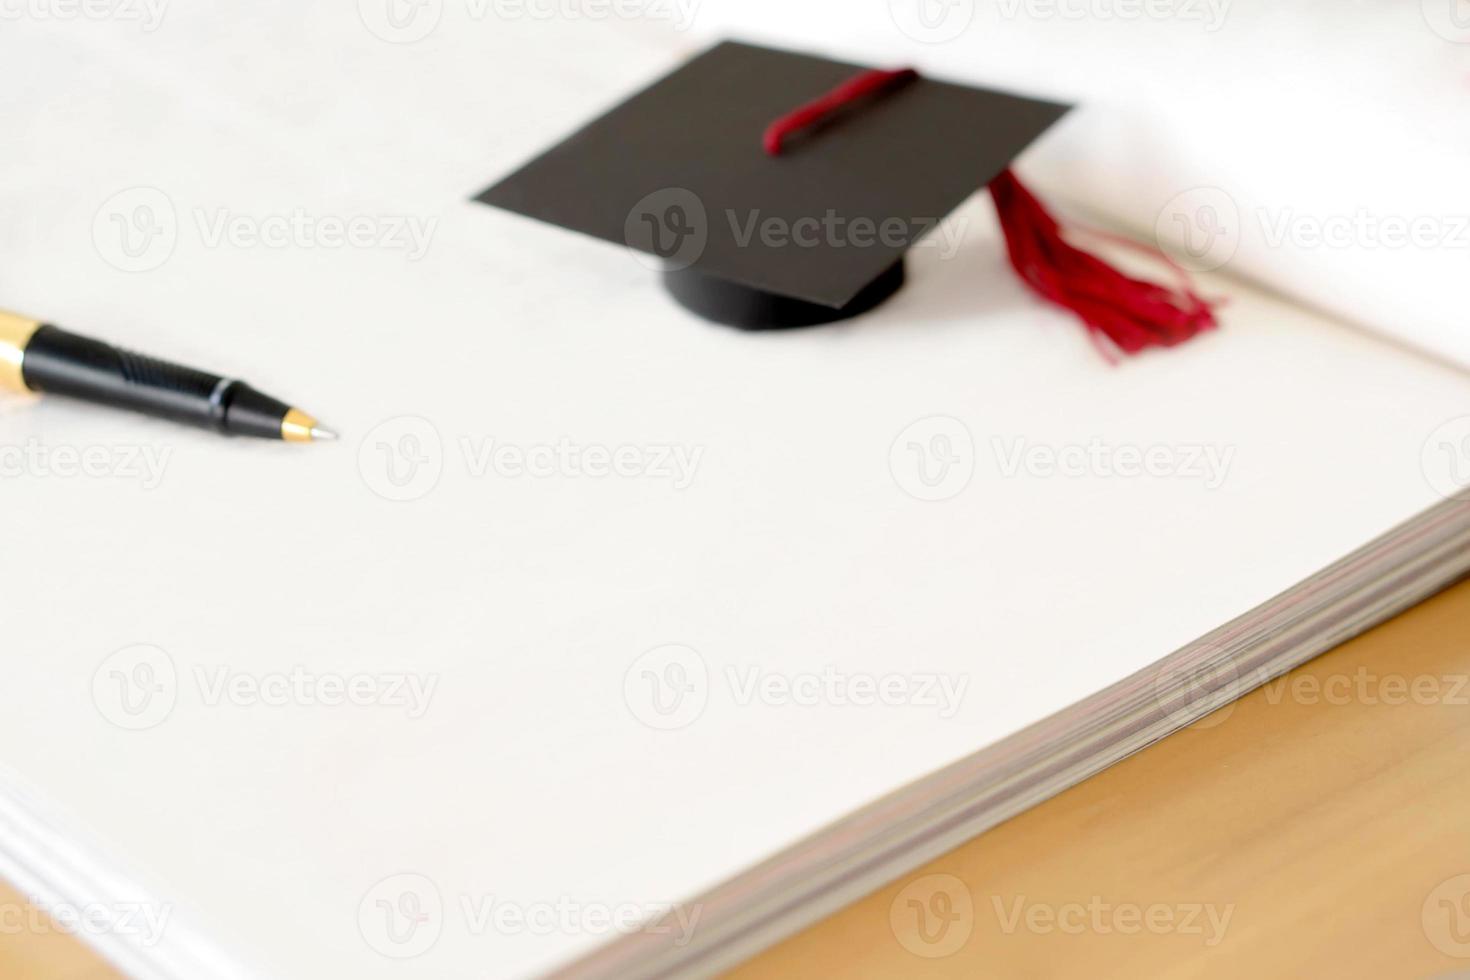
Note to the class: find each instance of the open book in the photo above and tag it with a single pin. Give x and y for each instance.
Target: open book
(457, 697)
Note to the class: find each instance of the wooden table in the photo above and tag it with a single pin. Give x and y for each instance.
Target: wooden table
(1324, 819)
(1319, 826)
(33, 948)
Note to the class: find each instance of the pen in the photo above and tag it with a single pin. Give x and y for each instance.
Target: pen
(38, 357)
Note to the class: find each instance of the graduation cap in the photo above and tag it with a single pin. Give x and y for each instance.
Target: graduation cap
(779, 189)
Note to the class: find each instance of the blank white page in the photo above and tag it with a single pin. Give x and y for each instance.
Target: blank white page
(794, 552)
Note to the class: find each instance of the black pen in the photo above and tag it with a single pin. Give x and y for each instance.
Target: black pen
(38, 357)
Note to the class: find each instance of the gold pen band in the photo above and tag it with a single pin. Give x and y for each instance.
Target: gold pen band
(297, 426)
(15, 332)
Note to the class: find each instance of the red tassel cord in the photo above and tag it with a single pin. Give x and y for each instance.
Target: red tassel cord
(857, 87)
(1132, 314)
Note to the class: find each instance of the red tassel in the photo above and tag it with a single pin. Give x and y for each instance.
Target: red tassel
(1131, 313)
(860, 86)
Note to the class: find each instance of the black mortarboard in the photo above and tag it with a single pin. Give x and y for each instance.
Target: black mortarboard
(802, 226)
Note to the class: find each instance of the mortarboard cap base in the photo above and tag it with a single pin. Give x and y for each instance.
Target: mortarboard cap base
(755, 309)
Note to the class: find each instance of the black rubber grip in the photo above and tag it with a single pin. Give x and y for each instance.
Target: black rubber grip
(62, 363)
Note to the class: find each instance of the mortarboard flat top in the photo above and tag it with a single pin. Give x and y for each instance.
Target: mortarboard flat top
(679, 170)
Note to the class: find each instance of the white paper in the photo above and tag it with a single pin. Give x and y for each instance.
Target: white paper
(527, 780)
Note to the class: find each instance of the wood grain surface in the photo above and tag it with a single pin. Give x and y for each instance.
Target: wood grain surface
(32, 945)
(1320, 826)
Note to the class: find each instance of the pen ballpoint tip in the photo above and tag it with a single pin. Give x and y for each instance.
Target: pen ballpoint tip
(320, 433)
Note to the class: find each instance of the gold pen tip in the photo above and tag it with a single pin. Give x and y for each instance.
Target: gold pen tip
(297, 426)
